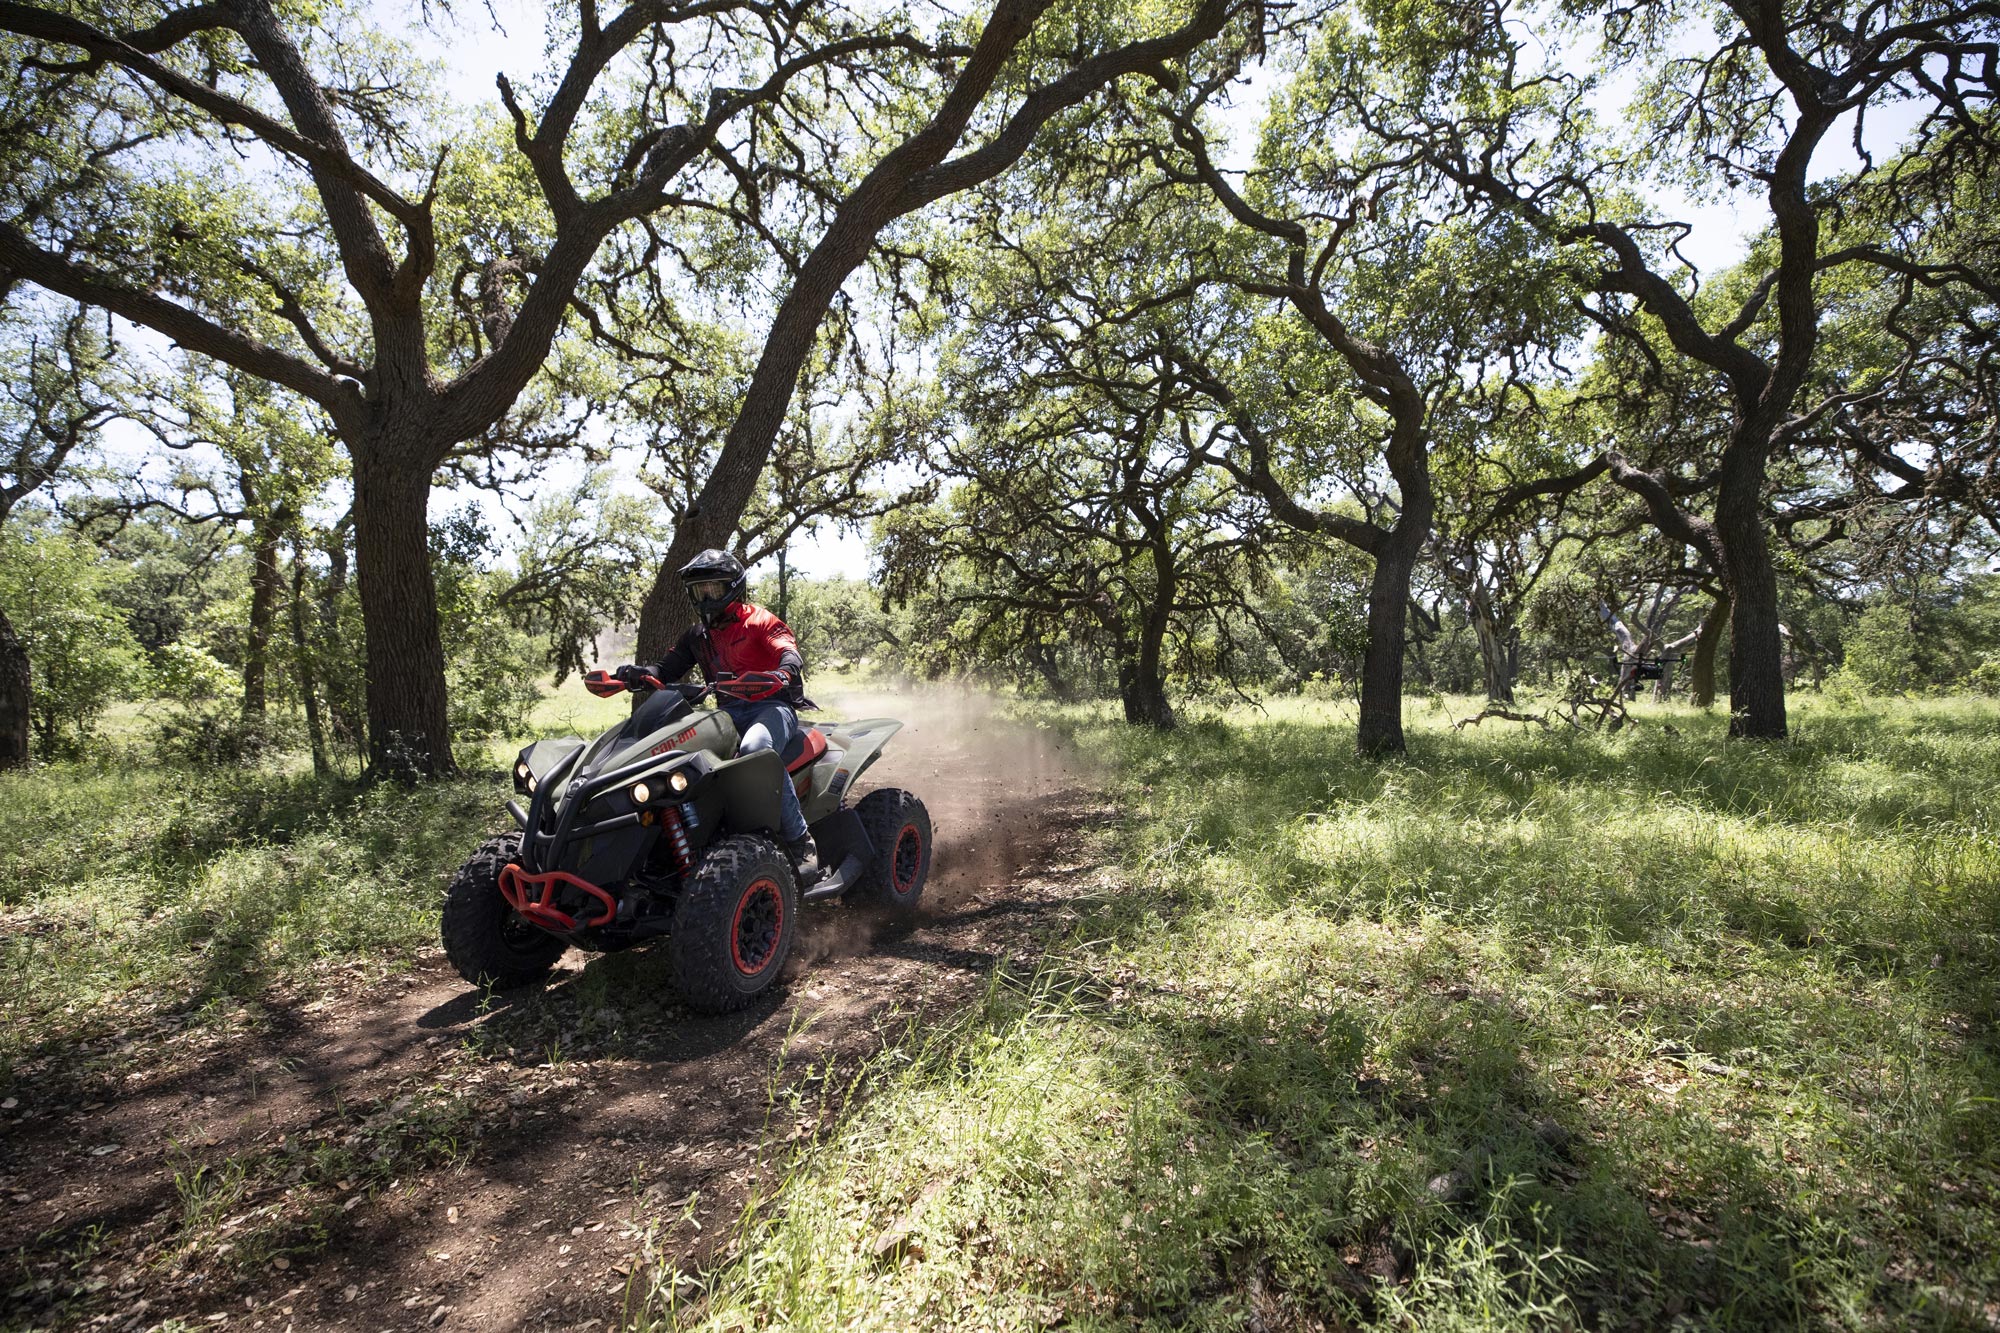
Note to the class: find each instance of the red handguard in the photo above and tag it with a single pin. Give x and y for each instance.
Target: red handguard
(754, 686)
(603, 684)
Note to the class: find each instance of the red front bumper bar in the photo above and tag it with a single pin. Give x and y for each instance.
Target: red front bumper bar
(534, 897)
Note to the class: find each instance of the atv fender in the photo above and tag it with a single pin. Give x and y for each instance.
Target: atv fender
(862, 742)
(748, 786)
(543, 756)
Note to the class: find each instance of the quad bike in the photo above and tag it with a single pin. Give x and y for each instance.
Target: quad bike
(659, 828)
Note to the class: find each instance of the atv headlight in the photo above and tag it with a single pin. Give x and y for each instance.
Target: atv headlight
(641, 793)
(678, 781)
(531, 786)
(521, 770)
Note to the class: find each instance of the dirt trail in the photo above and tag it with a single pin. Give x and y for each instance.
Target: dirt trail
(240, 1182)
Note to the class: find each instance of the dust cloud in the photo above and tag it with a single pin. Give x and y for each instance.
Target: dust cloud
(988, 782)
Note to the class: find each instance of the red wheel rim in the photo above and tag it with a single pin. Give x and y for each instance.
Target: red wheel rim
(759, 923)
(909, 860)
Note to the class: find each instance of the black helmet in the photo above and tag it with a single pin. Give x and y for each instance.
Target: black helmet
(717, 566)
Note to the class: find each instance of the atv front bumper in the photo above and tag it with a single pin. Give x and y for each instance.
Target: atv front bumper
(534, 897)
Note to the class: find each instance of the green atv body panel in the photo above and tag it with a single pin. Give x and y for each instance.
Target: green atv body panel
(850, 748)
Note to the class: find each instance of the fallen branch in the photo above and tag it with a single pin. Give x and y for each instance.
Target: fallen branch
(1505, 714)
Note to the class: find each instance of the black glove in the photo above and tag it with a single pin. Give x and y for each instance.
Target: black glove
(639, 676)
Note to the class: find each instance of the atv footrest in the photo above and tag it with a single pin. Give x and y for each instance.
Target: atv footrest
(834, 885)
(534, 897)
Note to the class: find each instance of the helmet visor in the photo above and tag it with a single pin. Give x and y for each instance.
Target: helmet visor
(708, 590)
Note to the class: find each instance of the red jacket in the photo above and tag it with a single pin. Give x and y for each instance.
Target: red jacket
(746, 638)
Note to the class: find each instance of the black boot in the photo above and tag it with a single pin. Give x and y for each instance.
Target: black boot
(805, 863)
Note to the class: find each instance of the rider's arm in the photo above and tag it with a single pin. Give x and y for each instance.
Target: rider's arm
(790, 661)
(680, 660)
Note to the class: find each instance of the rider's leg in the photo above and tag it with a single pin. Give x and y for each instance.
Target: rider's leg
(771, 726)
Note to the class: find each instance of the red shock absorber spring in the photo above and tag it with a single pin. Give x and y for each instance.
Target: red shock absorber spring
(683, 856)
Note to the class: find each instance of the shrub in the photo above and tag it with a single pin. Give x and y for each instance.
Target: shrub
(1881, 656)
(53, 586)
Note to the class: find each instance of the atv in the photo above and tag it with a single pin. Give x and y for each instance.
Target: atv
(659, 828)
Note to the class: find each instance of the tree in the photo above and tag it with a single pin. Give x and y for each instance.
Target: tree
(52, 400)
(584, 558)
(1412, 319)
(821, 469)
(1747, 113)
(122, 186)
(52, 594)
(1044, 62)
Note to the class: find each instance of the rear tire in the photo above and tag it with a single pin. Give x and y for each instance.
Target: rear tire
(485, 939)
(900, 829)
(734, 925)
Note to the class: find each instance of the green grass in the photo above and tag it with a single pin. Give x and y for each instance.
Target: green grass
(133, 892)
(1527, 1030)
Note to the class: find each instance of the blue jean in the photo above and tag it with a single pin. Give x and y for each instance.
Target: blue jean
(771, 725)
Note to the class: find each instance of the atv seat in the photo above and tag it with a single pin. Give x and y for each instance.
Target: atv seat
(805, 748)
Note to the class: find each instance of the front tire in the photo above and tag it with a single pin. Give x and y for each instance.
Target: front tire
(485, 939)
(734, 925)
(900, 828)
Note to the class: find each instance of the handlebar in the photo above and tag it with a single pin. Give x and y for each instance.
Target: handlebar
(749, 687)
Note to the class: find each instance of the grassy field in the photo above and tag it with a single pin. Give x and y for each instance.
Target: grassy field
(134, 894)
(1528, 1030)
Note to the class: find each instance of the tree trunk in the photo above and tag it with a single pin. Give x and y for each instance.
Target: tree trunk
(1146, 705)
(302, 667)
(347, 726)
(1146, 702)
(1044, 662)
(711, 520)
(1381, 730)
(1701, 670)
(1756, 649)
(264, 580)
(409, 729)
(899, 183)
(17, 697)
(1495, 654)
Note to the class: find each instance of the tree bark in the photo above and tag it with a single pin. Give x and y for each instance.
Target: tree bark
(1381, 729)
(302, 667)
(1496, 654)
(1756, 649)
(1146, 704)
(409, 729)
(264, 582)
(1701, 670)
(17, 697)
(1044, 663)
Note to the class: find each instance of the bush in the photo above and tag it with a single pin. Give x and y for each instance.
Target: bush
(54, 588)
(186, 672)
(216, 733)
(1985, 678)
(1881, 656)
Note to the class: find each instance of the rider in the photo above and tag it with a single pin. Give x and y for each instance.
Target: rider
(753, 661)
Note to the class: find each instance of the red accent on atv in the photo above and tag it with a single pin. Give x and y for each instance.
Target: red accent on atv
(603, 684)
(752, 686)
(516, 885)
(757, 926)
(909, 858)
